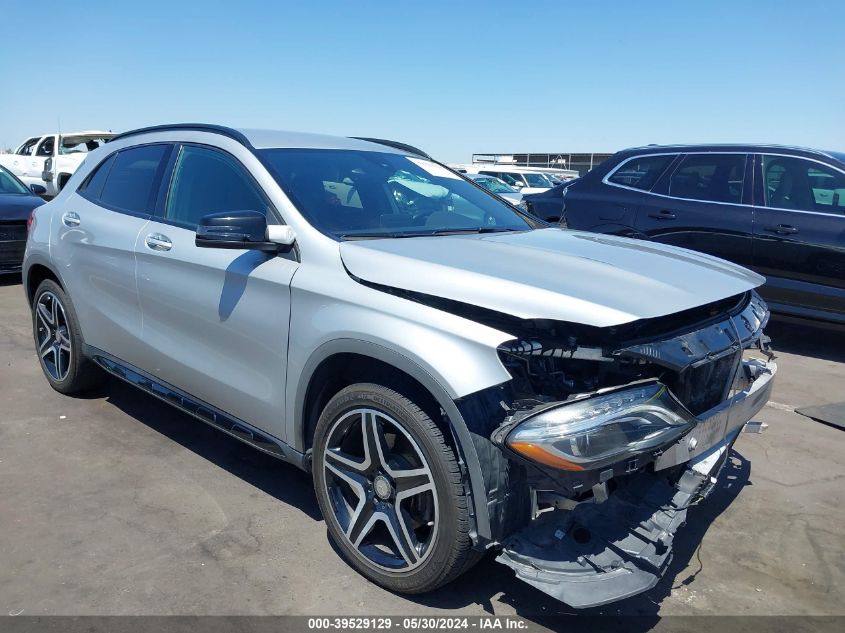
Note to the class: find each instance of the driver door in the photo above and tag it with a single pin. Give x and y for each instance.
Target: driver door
(215, 321)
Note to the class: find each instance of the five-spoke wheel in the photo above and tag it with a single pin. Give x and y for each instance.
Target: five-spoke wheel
(390, 489)
(58, 341)
(381, 489)
(52, 336)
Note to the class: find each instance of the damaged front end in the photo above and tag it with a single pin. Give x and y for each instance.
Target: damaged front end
(614, 433)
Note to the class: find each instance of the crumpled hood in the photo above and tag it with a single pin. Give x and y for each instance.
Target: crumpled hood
(575, 276)
(17, 207)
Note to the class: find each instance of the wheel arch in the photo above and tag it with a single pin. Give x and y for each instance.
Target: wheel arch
(318, 382)
(36, 271)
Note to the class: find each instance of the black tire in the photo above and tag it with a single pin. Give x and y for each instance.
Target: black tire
(451, 552)
(76, 372)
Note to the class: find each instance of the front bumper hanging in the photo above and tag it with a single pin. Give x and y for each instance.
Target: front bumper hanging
(598, 553)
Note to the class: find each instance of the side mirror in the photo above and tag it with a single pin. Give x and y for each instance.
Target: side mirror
(242, 230)
(38, 190)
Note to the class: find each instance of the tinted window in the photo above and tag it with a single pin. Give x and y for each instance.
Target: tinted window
(710, 177)
(795, 183)
(27, 147)
(46, 147)
(10, 184)
(641, 172)
(356, 193)
(132, 178)
(93, 185)
(207, 181)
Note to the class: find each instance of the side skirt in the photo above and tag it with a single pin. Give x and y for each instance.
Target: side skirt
(200, 410)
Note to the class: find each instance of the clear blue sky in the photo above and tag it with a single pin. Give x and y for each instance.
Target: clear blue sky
(452, 77)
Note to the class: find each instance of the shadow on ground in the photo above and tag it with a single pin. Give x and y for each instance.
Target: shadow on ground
(807, 338)
(278, 479)
(486, 583)
(10, 279)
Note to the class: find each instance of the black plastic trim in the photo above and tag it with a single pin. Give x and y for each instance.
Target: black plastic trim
(189, 127)
(199, 409)
(394, 144)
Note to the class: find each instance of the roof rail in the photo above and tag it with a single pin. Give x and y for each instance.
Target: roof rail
(196, 127)
(394, 144)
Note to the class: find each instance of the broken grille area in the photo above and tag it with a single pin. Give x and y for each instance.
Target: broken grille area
(702, 387)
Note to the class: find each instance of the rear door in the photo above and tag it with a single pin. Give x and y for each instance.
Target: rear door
(94, 246)
(799, 234)
(609, 204)
(702, 203)
(215, 321)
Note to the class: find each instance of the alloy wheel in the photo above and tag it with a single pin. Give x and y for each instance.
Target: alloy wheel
(381, 490)
(53, 336)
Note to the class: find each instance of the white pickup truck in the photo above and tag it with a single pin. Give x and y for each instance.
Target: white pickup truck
(49, 160)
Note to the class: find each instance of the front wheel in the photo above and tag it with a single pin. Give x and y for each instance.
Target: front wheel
(390, 490)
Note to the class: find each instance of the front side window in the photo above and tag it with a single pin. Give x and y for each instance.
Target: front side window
(208, 181)
(495, 185)
(46, 147)
(131, 181)
(385, 194)
(27, 147)
(803, 185)
(709, 177)
(511, 179)
(538, 180)
(641, 172)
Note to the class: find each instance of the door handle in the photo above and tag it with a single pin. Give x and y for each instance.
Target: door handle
(663, 215)
(71, 219)
(158, 242)
(782, 229)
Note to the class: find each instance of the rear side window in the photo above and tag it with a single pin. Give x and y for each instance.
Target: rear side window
(131, 180)
(93, 185)
(207, 181)
(709, 177)
(641, 172)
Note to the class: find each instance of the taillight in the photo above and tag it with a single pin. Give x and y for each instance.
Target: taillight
(30, 221)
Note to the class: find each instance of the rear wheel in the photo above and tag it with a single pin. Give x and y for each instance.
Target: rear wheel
(390, 490)
(58, 341)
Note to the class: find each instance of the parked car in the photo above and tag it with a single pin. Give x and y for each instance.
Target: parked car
(777, 210)
(16, 204)
(50, 160)
(548, 205)
(520, 178)
(449, 389)
(497, 186)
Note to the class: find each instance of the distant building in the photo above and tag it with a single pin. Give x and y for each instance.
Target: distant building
(582, 163)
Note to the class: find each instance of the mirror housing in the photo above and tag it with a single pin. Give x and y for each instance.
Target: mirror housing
(38, 190)
(242, 230)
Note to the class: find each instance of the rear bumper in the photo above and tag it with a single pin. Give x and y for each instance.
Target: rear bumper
(598, 553)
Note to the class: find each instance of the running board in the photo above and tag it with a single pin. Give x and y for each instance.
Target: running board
(202, 411)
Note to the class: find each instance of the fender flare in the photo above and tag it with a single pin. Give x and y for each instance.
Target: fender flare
(391, 357)
(37, 260)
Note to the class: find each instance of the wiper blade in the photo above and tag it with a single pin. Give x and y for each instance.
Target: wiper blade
(479, 229)
(379, 235)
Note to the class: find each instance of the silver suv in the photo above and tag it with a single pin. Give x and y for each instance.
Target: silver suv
(456, 376)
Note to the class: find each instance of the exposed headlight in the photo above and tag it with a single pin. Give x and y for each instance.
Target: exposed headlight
(593, 432)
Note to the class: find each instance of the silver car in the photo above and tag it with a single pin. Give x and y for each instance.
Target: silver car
(456, 376)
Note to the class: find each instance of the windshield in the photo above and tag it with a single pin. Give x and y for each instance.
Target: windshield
(353, 194)
(495, 185)
(10, 184)
(538, 180)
